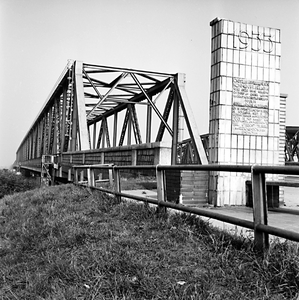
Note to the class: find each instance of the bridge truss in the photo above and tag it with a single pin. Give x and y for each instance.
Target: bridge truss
(95, 107)
(292, 144)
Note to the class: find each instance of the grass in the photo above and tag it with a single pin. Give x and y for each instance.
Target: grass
(66, 242)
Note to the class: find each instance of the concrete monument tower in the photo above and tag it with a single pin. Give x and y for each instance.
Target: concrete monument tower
(245, 104)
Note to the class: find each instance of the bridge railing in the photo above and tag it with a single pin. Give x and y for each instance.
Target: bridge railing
(260, 208)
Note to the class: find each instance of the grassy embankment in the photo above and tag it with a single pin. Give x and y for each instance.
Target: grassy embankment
(65, 242)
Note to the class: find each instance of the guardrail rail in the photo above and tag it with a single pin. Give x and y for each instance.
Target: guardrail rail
(260, 208)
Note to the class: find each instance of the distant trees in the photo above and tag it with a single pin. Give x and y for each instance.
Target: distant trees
(10, 183)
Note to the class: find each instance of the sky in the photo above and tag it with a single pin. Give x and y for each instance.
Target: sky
(37, 37)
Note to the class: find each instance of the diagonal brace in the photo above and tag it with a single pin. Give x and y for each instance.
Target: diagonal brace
(152, 104)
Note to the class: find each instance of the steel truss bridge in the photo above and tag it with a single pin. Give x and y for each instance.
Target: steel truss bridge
(98, 114)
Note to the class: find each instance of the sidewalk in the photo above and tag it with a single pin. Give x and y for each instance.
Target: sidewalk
(280, 220)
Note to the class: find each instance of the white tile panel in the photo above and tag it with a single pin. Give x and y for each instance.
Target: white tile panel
(271, 88)
(267, 61)
(234, 141)
(242, 57)
(236, 70)
(224, 26)
(271, 115)
(264, 157)
(252, 142)
(246, 142)
(227, 142)
(223, 69)
(228, 112)
(278, 49)
(277, 62)
(240, 156)
(229, 69)
(258, 158)
(248, 58)
(260, 73)
(228, 98)
(227, 153)
(270, 157)
(230, 27)
(230, 41)
(277, 35)
(277, 102)
(230, 57)
(277, 76)
(229, 83)
(224, 54)
(248, 72)
(271, 143)
(258, 142)
(224, 40)
(220, 154)
(271, 131)
(272, 62)
(260, 60)
(276, 157)
(276, 130)
(266, 74)
(246, 156)
(233, 156)
(240, 141)
(223, 83)
(254, 73)
(265, 143)
(254, 58)
(242, 71)
(251, 157)
(236, 56)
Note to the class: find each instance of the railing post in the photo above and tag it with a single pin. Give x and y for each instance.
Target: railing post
(76, 175)
(110, 171)
(260, 209)
(117, 187)
(82, 176)
(69, 175)
(90, 177)
(160, 189)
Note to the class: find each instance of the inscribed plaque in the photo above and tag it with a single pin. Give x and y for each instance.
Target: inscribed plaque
(250, 114)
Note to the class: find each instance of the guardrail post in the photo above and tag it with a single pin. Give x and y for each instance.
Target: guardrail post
(260, 209)
(69, 175)
(160, 176)
(117, 187)
(76, 176)
(110, 177)
(82, 176)
(90, 177)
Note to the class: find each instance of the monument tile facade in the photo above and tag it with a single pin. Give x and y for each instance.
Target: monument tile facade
(245, 122)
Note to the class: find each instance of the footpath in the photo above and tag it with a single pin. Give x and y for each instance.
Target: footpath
(281, 220)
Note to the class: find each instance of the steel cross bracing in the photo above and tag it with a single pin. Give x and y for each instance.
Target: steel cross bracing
(93, 107)
(292, 144)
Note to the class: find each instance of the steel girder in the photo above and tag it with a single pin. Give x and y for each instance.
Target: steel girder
(93, 106)
(292, 144)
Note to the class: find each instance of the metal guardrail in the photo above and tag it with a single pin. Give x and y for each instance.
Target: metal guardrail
(260, 207)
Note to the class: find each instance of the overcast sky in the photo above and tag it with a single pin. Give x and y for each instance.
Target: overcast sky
(37, 37)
